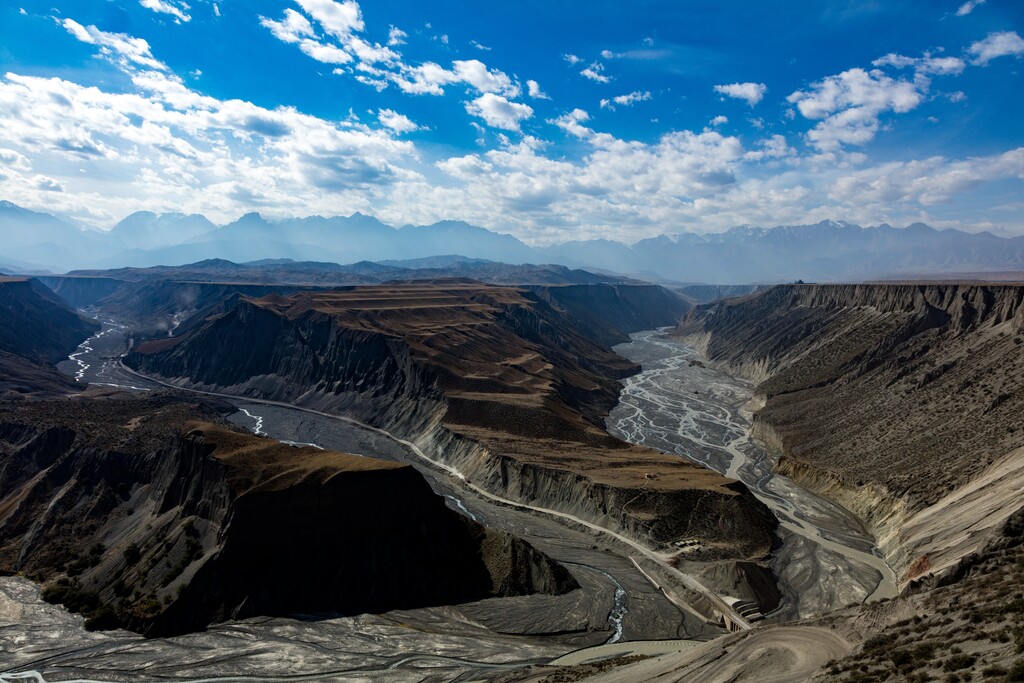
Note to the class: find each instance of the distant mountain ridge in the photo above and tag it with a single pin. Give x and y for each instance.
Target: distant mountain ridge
(824, 251)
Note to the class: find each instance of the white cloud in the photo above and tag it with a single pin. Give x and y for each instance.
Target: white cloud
(632, 98)
(719, 120)
(849, 105)
(155, 143)
(476, 73)
(595, 72)
(479, 46)
(926, 65)
(774, 147)
(396, 122)
(627, 100)
(752, 93)
(1002, 44)
(175, 8)
(534, 90)
(14, 160)
(572, 123)
(340, 19)
(498, 112)
(969, 7)
(426, 79)
(396, 36)
(118, 47)
(571, 58)
(292, 29)
(927, 182)
(327, 54)
(47, 184)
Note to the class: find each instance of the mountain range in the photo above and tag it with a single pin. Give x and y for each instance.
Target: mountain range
(824, 251)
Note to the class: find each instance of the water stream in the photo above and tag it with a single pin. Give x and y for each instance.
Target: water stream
(678, 405)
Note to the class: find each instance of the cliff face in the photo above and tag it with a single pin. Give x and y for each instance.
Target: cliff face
(82, 292)
(37, 329)
(36, 324)
(609, 313)
(900, 401)
(494, 381)
(140, 522)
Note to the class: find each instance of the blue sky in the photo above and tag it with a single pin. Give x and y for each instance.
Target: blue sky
(552, 121)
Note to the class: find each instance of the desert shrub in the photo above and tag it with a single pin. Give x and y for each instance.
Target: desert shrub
(103, 618)
(901, 658)
(959, 661)
(132, 554)
(98, 615)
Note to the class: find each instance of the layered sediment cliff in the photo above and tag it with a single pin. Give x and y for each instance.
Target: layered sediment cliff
(902, 402)
(152, 515)
(494, 381)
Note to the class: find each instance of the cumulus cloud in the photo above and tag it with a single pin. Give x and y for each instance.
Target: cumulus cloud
(175, 8)
(340, 19)
(155, 143)
(118, 47)
(572, 123)
(1001, 44)
(926, 65)
(626, 100)
(848, 106)
(292, 29)
(571, 58)
(14, 160)
(534, 90)
(498, 112)
(774, 147)
(381, 67)
(399, 123)
(476, 73)
(752, 93)
(396, 36)
(595, 72)
(968, 7)
(719, 120)
(479, 46)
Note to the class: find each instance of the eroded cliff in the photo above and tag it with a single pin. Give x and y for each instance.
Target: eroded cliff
(153, 515)
(493, 381)
(902, 402)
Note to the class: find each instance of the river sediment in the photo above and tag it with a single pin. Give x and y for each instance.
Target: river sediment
(677, 404)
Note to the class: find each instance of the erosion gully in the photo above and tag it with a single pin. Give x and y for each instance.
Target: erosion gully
(826, 558)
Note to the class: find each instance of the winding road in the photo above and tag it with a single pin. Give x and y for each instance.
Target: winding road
(732, 617)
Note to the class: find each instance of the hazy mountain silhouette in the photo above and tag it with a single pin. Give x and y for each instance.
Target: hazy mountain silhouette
(829, 250)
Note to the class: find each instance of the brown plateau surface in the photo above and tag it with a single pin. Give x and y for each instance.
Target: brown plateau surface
(498, 382)
(154, 515)
(903, 402)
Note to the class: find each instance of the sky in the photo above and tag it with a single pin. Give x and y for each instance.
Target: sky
(553, 121)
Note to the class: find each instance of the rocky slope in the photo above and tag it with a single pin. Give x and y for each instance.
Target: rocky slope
(153, 515)
(36, 323)
(36, 330)
(902, 402)
(492, 380)
(608, 313)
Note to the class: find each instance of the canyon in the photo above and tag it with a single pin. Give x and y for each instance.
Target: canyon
(823, 463)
